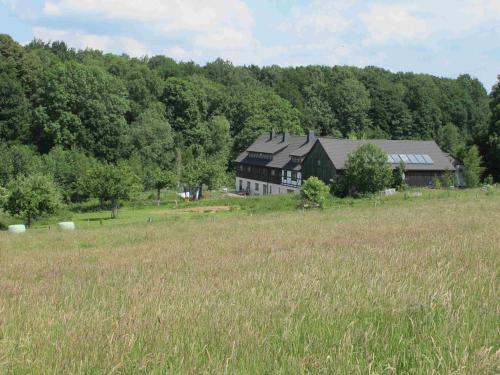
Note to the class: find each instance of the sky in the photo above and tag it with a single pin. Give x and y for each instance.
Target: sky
(441, 37)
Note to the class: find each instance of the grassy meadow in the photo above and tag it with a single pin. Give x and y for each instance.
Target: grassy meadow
(403, 285)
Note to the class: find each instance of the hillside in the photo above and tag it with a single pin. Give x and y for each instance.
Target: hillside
(158, 113)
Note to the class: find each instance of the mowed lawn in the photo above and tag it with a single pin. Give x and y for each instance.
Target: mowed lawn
(406, 288)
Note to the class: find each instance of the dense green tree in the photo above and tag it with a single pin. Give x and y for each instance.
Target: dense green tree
(111, 184)
(254, 111)
(422, 98)
(351, 102)
(450, 139)
(152, 138)
(31, 197)
(472, 167)
(319, 117)
(67, 168)
(367, 170)
(17, 161)
(492, 149)
(14, 108)
(81, 106)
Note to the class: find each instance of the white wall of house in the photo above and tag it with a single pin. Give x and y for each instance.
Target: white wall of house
(257, 187)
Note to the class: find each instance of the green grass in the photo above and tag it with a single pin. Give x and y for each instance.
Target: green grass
(380, 285)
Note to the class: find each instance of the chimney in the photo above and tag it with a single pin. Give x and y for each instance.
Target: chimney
(271, 135)
(285, 136)
(310, 136)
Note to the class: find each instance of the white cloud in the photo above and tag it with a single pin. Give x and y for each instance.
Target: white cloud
(79, 39)
(418, 21)
(224, 39)
(317, 17)
(51, 9)
(167, 15)
(392, 22)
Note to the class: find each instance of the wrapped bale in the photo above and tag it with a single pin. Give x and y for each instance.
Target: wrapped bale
(17, 229)
(66, 225)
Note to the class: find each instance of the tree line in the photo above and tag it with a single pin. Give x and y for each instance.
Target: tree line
(69, 113)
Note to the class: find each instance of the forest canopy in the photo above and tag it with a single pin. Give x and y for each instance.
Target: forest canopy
(60, 106)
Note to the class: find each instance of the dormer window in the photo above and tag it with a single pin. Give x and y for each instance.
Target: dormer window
(297, 159)
(260, 155)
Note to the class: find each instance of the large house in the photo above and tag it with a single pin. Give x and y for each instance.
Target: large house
(279, 162)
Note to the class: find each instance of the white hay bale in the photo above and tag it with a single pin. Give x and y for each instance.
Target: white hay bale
(66, 225)
(17, 229)
(390, 191)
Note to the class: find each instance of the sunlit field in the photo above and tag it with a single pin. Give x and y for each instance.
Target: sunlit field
(397, 286)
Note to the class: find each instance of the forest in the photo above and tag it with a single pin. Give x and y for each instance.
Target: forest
(64, 112)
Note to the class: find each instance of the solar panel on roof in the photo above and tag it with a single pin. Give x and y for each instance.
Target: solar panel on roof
(396, 158)
(413, 159)
(428, 159)
(420, 159)
(404, 158)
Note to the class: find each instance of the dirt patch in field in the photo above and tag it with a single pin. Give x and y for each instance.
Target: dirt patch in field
(206, 209)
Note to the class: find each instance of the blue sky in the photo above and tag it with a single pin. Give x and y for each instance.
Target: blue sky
(441, 37)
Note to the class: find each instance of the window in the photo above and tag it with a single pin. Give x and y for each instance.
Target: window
(318, 162)
(273, 172)
(248, 186)
(241, 167)
(241, 185)
(249, 169)
(256, 186)
(294, 176)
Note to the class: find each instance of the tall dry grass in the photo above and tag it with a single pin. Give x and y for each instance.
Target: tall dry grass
(396, 289)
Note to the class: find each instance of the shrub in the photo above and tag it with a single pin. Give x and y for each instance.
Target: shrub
(489, 180)
(398, 178)
(448, 179)
(367, 170)
(314, 192)
(472, 167)
(436, 183)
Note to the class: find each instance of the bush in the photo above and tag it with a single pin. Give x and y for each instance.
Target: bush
(448, 179)
(489, 180)
(367, 170)
(436, 183)
(472, 167)
(398, 178)
(314, 192)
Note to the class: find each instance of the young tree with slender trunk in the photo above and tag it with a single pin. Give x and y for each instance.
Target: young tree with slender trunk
(111, 184)
(31, 197)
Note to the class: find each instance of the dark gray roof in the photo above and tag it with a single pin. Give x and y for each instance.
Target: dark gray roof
(295, 144)
(267, 147)
(339, 149)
